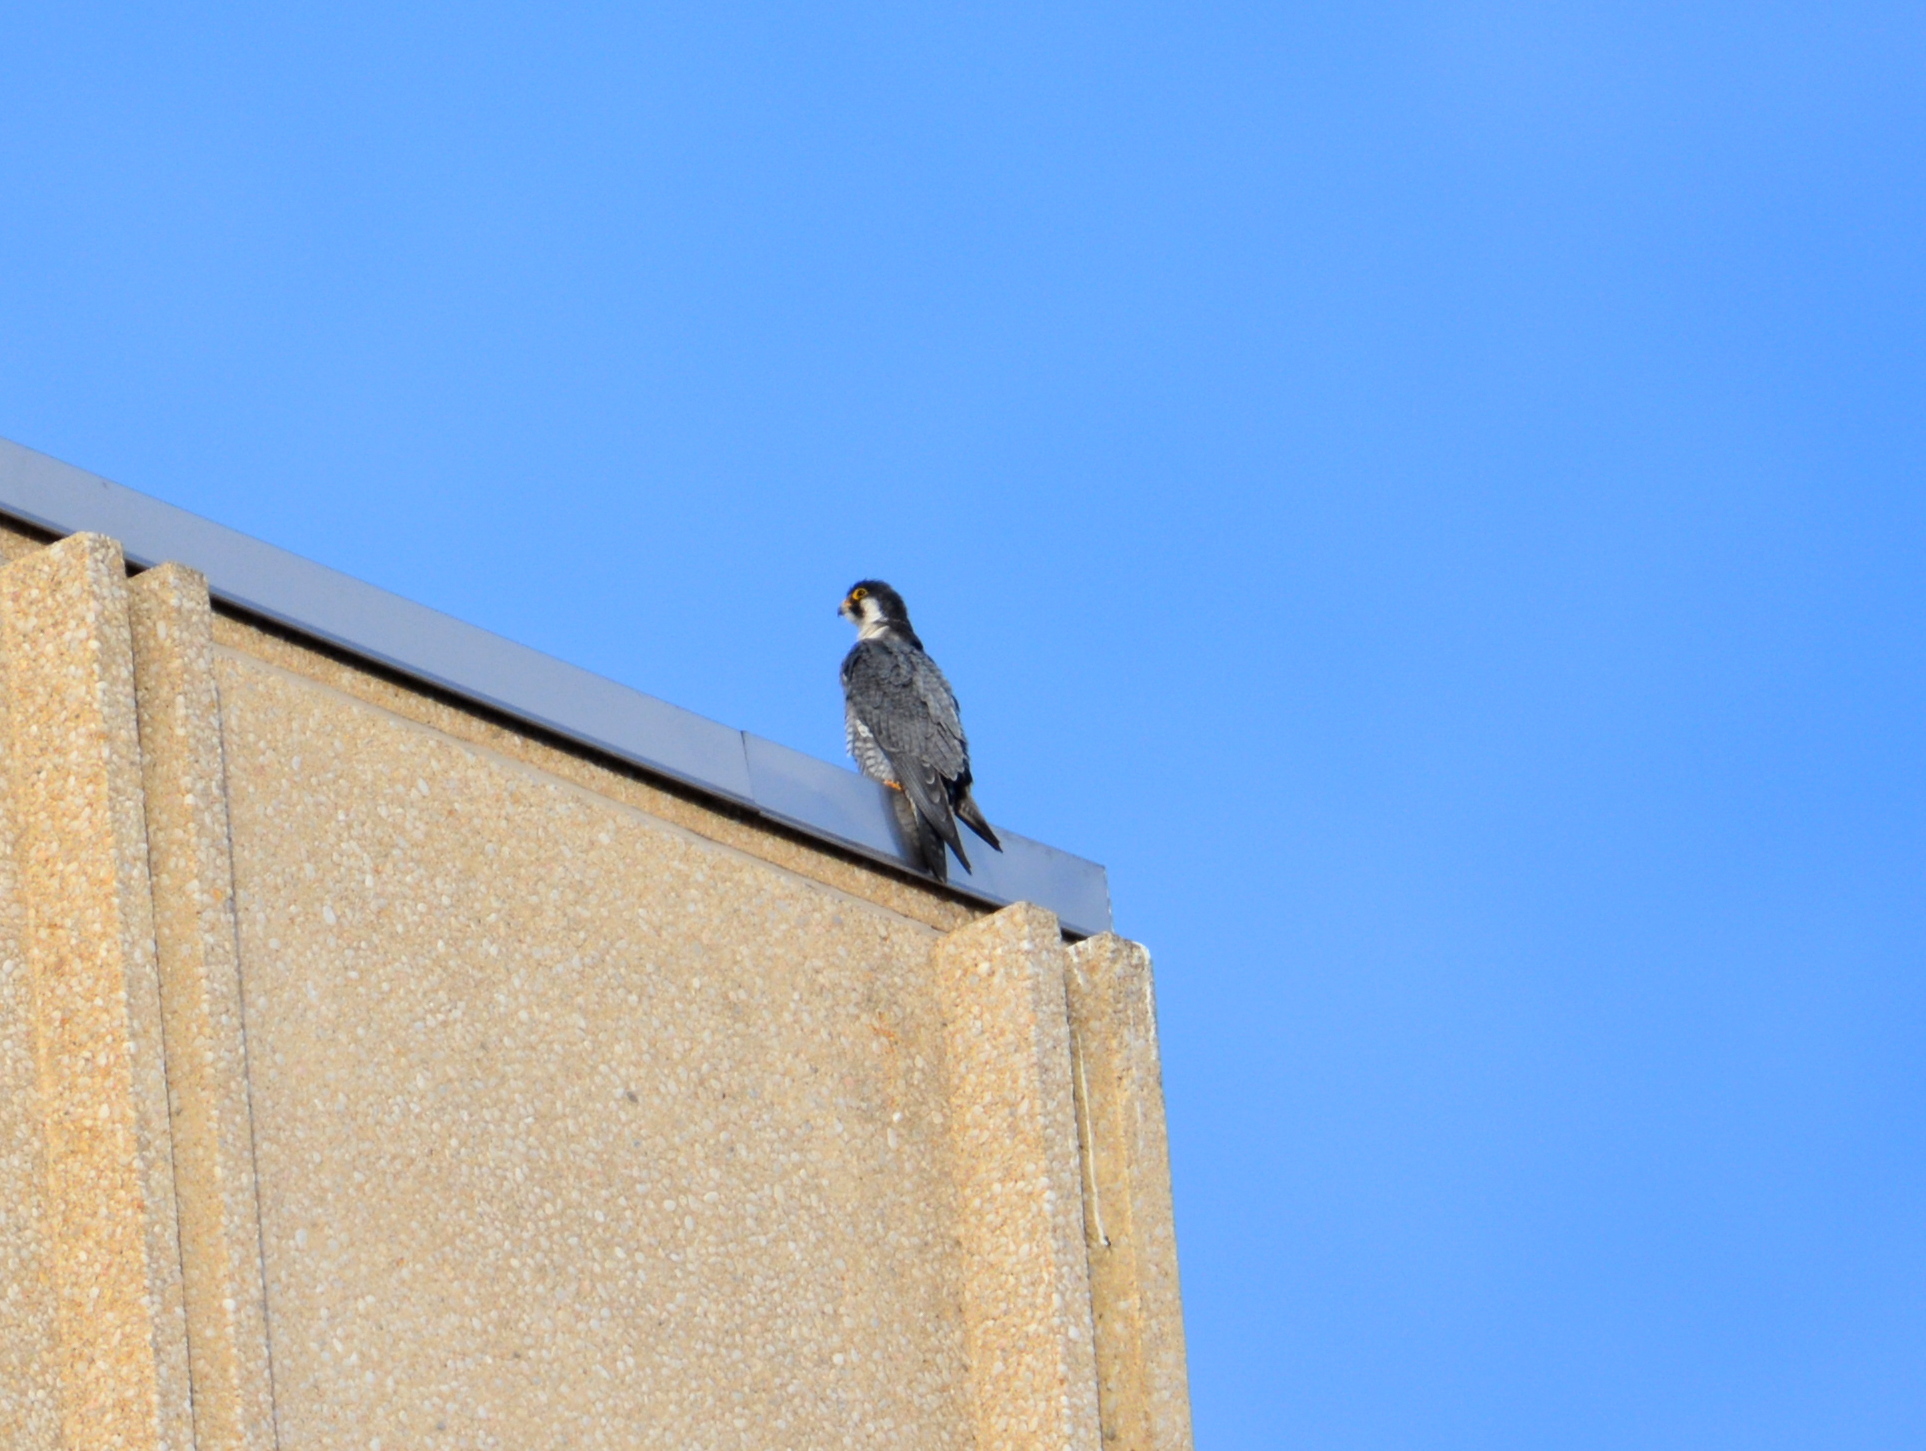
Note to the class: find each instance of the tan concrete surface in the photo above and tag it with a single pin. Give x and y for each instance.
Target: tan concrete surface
(80, 847)
(1026, 1283)
(29, 1367)
(1143, 1382)
(575, 1128)
(17, 541)
(187, 844)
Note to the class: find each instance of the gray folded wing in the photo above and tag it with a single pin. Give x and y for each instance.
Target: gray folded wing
(897, 694)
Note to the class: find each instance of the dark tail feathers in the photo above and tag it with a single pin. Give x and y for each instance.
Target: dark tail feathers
(927, 848)
(972, 815)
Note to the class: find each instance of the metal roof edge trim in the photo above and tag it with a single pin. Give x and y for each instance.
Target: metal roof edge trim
(812, 796)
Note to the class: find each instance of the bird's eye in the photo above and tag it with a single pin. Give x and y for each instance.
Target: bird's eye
(859, 594)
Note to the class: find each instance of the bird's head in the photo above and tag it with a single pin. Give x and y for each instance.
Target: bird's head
(875, 609)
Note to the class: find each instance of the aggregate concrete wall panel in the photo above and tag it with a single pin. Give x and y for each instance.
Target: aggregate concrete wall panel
(574, 1128)
(1026, 1281)
(29, 1368)
(200, 988)
(16, 541)
(1129, 1230)
(516, 1102)
(111, 1245)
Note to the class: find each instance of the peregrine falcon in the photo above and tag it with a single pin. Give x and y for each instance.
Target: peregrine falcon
(904, 729)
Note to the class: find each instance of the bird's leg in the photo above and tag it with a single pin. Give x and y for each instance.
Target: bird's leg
(894, 785)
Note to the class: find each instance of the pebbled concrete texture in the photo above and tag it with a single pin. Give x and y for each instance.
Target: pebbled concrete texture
(1129, 1231)
(1026, 1280)
(184, 780)
(373, 1074)
(109, 1236)
(573, 1128)
(29, 1367)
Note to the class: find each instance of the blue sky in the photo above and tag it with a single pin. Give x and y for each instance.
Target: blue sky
(1429, 494)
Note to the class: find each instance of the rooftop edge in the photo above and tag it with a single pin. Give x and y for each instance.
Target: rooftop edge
(798, 791)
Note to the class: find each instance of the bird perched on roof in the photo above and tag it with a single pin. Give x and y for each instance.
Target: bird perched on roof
(904, 729)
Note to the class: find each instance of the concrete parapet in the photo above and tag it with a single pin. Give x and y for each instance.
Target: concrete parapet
(372, 1075)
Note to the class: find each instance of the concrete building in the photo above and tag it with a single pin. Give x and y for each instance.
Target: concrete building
(407, 1040)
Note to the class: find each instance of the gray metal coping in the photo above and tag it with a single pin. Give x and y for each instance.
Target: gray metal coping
(815, 797)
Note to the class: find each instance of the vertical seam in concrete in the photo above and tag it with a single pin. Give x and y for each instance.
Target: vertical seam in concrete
(80, 847)
(253, 1140)
(190, 852)
(1093, 1187)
